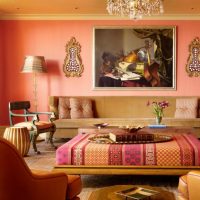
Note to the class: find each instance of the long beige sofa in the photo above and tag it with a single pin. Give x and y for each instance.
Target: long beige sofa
(123, 111)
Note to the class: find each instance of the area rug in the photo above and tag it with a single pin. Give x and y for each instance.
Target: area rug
(46, 161)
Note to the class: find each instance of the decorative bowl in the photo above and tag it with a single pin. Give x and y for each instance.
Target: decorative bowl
(101, 125)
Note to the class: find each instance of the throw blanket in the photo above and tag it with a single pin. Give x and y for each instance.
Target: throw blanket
(183, 150)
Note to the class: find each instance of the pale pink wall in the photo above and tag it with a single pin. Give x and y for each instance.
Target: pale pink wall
(48, 38)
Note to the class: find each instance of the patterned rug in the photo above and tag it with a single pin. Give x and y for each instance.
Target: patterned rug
(46, 161)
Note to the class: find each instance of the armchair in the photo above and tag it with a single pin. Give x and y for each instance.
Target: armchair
(17, 181)
(189, 186)
(32, 121)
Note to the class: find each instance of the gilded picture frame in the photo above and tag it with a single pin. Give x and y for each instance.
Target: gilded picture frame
(136, 58)
(193, 61)
(73, 66)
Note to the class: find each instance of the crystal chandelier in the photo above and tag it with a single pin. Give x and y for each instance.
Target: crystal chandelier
(135, 9)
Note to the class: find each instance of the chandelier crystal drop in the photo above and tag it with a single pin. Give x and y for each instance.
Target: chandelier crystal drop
(135, 9)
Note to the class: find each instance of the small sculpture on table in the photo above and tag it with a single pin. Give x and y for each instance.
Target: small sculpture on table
(101, 125)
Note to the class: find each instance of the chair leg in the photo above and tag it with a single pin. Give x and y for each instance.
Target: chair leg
(34, 139)
(51, 139)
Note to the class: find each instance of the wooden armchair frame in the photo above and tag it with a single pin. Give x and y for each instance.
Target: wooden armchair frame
(36, 127)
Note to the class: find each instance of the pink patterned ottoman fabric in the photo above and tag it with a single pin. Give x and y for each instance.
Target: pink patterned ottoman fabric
(183, 150)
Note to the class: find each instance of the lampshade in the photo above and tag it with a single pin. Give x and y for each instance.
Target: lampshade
(34, 64)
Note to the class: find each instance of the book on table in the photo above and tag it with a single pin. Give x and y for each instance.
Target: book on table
(157, 125)
(137, 193)
(124, 137)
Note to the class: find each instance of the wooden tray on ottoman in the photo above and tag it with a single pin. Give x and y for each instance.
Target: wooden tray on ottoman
(105, 139)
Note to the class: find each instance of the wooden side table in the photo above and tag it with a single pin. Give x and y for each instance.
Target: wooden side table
(108, 193)
(19, 136)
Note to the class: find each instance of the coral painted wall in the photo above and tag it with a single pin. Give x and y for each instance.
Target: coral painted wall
(48, 38)
(1, 71)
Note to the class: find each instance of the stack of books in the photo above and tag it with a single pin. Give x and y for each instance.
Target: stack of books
(127, 137)
(157, 126)
(137, 193)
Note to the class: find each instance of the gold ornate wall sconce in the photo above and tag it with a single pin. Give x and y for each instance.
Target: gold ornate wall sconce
(193, 62)
(73, 63)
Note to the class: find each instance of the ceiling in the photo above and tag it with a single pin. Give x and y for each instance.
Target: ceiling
(93, 9)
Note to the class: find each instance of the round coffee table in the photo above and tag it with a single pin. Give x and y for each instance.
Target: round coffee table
(108, 193)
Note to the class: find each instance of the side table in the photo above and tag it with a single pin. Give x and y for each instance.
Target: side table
(108, 193)
(19, 136)
(2, 129)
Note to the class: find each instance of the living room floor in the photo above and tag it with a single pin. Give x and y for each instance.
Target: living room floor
(46, 161)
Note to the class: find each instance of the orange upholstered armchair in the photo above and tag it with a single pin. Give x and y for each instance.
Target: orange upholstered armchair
(189, 186)
(17, 181)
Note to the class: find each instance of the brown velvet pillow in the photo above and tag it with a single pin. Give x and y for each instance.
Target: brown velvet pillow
(186, 108)
(81, 108)
(64, 108)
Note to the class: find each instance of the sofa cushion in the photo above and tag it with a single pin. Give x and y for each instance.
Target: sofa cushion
(186, 108)
(64, 108)
(81, 108)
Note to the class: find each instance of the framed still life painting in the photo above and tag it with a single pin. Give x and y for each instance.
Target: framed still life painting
(140, 58)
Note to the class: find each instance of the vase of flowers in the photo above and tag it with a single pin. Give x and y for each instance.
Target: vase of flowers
(158, 109)
(158, 119)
